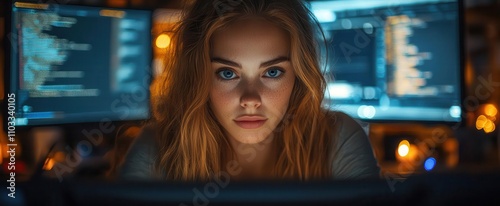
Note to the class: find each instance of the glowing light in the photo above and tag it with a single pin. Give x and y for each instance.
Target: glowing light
(455, 111)
(450, 147)
(325, 15)
(59, 156)
(162, 41)
(339, 91)
(489, 126)
(369, 112)
(429, 163)
(112, 13)
(481, 122)
(413, 154)
(49, 163)
(403, 148)
(490, 110)
(365, 111)
(31, 6)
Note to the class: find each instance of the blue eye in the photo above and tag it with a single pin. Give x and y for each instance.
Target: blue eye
(273, 73)
(226, 74)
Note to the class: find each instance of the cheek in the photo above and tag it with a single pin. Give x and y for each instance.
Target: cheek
(220, 97)
(279, 96)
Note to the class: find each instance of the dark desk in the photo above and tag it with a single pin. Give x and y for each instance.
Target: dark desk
(429, 189)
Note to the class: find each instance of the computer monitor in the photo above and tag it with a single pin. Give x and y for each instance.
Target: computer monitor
(393, 60)
(73, 64)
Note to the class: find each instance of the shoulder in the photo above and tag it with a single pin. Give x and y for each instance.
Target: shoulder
(351, 153)
(140, 158)
(146, 140)
(345, 125)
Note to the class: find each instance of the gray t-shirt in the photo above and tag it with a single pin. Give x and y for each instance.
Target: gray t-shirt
(352, 155)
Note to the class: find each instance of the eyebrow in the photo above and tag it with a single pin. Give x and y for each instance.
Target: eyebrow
(263, 64)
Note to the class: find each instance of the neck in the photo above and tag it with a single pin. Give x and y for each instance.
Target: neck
(255, 160)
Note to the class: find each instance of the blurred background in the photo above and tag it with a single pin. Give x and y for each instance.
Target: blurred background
(422, 76)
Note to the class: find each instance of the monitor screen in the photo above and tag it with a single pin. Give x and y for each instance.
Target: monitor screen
(72, 64)
(393, 60)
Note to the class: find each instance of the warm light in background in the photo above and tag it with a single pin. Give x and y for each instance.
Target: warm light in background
(489, 126)
(450, 148)
(413, 153)
(59, 156)
(403, 148)
(407, 152)
(162, 41)
(485, 123)
(490, 110)
(49, 163)
(481, 122)
(112, 13)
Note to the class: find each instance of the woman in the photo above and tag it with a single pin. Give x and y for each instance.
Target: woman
(241, 97)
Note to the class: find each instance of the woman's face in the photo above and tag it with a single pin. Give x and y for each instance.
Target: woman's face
(252, 79)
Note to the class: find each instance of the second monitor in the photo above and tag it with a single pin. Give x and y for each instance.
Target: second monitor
(72, 64)
(393, 61)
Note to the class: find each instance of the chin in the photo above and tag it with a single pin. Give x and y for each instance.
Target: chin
(250, 137)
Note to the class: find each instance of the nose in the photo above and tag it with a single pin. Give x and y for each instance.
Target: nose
(250, 104)
(250, 98)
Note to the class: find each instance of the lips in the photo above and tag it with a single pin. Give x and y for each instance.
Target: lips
(250, 122)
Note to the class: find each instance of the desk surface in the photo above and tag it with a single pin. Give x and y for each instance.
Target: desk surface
(429, 189)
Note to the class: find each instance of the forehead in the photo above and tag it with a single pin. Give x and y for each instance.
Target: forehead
(250, 36)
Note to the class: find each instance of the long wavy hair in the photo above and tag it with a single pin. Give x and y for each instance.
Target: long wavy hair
(191, 143)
